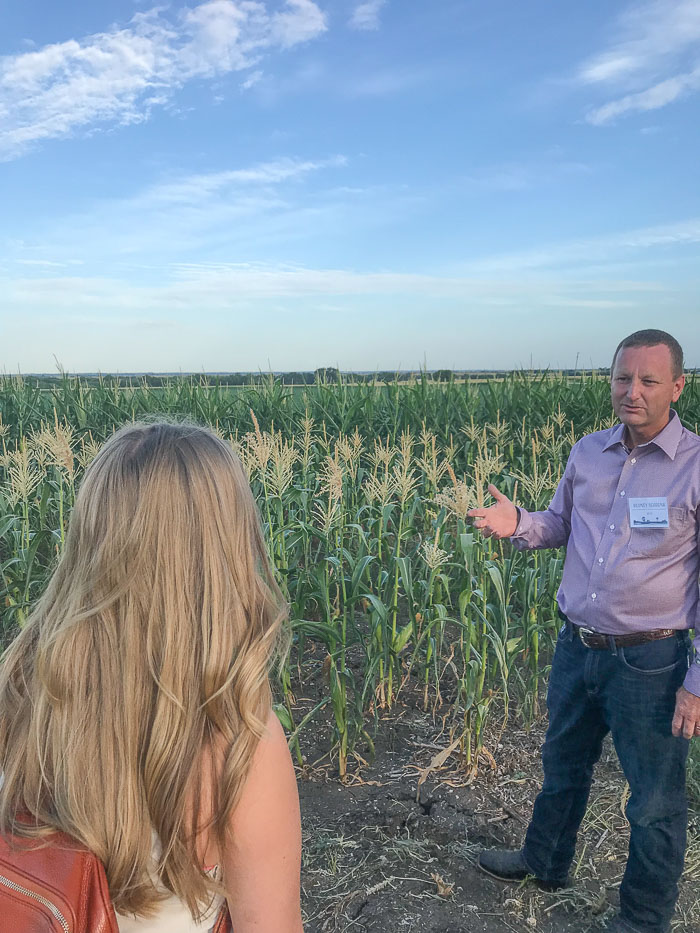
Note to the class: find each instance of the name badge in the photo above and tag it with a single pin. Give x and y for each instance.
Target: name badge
(649, 513)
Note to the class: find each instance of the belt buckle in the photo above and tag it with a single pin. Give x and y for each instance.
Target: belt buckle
(583, 634)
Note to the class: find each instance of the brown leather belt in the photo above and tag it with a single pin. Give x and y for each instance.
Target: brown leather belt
(598, 640)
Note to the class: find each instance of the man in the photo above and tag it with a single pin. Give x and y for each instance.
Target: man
(628, 511)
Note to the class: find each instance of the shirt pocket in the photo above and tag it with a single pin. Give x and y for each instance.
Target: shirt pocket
(661, 542)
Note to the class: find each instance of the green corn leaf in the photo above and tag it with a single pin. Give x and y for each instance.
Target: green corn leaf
(402, 637)
(282, 714)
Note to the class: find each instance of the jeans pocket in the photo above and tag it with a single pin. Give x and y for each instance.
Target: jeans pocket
(566, 632)
(654, 657)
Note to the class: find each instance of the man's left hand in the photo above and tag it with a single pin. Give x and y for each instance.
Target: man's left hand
(686, 719)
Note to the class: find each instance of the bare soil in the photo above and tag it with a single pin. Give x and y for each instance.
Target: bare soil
(383, 854)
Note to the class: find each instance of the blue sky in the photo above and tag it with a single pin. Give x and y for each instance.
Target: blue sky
(244, 185)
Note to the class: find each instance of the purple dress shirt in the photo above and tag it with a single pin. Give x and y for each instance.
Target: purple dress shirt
(620, 578)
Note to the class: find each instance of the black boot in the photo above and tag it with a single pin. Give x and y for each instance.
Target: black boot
(506, 865)
(619, 925)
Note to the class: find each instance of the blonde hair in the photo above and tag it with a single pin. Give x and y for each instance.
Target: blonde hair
(152, 641)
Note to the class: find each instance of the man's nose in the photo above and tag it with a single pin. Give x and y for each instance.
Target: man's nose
(634, 388)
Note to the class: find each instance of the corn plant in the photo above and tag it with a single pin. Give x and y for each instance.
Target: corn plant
(363, 492)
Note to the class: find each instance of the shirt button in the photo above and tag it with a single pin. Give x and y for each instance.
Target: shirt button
(622, 493)
(633, 460)
(600, 560)
(593, 595)
(612, 528)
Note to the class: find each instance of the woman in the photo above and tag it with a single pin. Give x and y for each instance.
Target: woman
(135, 706)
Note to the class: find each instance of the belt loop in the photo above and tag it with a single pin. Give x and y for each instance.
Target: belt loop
(613, 646)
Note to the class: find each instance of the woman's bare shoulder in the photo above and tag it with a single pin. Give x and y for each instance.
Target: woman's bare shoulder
(270, 782)
(271, 754)
(261, 863)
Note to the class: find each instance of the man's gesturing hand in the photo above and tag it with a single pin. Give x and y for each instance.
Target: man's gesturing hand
(496, 521)
(686, 719)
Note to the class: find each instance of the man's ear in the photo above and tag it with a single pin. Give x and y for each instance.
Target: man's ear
(678, 387)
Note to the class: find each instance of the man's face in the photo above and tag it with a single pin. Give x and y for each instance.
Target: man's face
(642, 388)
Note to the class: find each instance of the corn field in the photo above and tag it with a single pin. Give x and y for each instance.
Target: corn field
(363, 493)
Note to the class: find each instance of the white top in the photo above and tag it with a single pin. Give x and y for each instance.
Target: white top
(173, 917)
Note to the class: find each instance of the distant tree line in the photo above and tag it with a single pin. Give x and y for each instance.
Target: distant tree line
(324, 374)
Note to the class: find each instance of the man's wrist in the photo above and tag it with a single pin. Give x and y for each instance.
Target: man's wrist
(517, 519)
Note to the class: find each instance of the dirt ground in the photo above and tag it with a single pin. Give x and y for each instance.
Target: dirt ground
(383, 855)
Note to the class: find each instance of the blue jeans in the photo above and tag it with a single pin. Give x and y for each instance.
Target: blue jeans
(630, 692)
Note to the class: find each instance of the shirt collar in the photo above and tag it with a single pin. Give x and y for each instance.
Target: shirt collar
(617, 436)
(667, 440)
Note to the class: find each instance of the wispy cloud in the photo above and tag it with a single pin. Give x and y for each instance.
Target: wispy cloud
(227, 316)
(522, 176)
(386, 82)
(652, 60)
(658, 95)
(237, 210)
(366, 15)
(192, 287)
(245, 318)
(253, 78)
(42, 263)
(120, 76)
(607, 248)
(195, 188)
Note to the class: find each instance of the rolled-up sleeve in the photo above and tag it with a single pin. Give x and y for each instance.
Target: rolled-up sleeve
(550, 528)
(692, 678)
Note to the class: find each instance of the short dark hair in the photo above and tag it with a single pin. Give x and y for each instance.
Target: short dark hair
(652, 338)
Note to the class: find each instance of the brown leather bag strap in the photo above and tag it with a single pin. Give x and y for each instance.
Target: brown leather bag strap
(223, 924)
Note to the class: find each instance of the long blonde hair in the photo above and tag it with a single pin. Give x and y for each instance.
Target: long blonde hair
(152, 641)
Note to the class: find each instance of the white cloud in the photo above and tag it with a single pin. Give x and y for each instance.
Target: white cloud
(556, 275)
(121, 75)
(231, 318)
(366, 15)
(253, 78)
(659, 95)
(189, 288)
(301, 22)
(225, 316)
(47, 263)
(603, 249)
(195, 188)
(653, 60)
(649, 36)
(236, 212)
(521, 176)
(385, 83)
